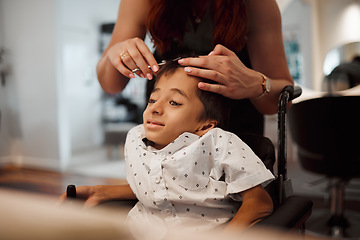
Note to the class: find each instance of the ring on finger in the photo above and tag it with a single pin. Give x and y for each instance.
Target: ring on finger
(124, 54)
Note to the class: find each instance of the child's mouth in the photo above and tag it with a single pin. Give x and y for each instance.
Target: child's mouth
(149, 122)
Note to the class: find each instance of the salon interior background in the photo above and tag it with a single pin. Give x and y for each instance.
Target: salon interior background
(50, 100)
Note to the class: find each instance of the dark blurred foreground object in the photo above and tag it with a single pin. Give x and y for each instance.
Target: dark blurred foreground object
(35, 216)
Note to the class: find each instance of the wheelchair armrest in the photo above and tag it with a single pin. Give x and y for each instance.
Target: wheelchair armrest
(293, 91)
(297, 92)
(291, 214)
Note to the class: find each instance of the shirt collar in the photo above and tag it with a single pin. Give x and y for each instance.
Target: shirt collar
(180, 142)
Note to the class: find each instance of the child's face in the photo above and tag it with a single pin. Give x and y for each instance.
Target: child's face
(173, 108)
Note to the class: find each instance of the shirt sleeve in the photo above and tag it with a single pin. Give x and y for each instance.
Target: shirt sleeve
(243, 169)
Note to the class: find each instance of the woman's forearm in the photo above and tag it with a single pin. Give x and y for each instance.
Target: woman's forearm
(266, 51)
(268, 104)
(130, 24)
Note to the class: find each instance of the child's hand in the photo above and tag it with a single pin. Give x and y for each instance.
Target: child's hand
(92, 195)
(256, 205)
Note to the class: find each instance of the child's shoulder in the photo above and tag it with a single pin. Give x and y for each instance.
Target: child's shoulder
(222, 135)
(136, 131)
(137, 128)
(219, 131)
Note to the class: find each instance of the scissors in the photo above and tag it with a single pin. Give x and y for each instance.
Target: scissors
(163, 62)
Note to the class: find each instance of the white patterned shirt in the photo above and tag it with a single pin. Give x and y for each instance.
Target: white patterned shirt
(193, 181)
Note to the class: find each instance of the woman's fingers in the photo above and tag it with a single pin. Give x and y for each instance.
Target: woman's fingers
(223, 67)
(116, 61)
(205, 73)
(220, 87)
(142, 58)
(216, 88)
(214, 68)
(221, 50)
(133, 56)
(148, 56)
(194, 65)
(127, 60)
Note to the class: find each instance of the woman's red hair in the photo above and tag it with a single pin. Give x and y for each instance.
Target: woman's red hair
(167, 20)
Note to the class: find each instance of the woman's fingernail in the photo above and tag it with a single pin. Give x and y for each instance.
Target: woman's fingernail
(201, 85)
(188, 70)
(149, 76)
(181, 61)
(131, 75)
(211, 53)
(155, 68)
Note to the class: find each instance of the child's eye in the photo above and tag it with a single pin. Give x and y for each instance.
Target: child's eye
(151, 101)
(175, 103)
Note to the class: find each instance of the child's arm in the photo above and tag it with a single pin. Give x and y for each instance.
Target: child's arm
(93, 195)
(256, 204)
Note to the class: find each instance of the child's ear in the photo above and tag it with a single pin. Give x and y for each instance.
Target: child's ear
(206, 127)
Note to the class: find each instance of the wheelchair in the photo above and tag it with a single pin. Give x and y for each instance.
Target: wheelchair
(290, 211)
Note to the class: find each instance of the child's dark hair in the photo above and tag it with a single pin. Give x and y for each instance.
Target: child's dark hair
(216, 106)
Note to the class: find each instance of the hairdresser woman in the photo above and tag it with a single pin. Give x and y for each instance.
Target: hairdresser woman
(239, 41)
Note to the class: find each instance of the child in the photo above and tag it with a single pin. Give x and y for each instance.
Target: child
(184, 169)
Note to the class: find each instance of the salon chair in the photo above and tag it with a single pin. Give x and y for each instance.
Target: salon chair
(326, 131)
(290, 211)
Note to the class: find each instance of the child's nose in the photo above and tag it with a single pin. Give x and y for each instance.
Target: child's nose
(157, 108)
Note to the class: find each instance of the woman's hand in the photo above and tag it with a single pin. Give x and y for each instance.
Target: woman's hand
(132, 54)
(234, 79)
